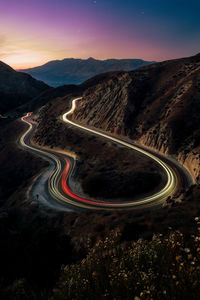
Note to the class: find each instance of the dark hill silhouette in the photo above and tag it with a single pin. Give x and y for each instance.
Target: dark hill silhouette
(17, 88)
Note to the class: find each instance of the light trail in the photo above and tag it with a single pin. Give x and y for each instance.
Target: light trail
(172, 179)
(58, 182)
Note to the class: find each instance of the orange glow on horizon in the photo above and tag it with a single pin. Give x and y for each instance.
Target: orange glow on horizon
(25, 61)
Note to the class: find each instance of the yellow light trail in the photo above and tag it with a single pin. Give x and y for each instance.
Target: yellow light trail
(54, 180)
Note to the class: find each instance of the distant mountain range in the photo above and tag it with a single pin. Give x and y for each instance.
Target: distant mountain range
(74, 71)
(17, 88)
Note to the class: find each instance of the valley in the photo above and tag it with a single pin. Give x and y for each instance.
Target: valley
(99, 150)
(153, 109)
(53, 183)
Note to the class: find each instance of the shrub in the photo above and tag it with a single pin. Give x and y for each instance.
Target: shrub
(167, 267)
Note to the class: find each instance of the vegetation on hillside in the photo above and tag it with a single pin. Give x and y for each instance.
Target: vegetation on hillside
(129, 185)
(166, 267)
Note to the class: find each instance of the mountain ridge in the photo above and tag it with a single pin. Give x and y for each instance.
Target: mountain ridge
(75, 71)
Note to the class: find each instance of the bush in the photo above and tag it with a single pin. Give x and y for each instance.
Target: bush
(113, 185)
(167, 267)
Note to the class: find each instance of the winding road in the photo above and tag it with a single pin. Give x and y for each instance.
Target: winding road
(57, 187)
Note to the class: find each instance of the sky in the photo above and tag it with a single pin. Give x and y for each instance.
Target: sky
(33, 32)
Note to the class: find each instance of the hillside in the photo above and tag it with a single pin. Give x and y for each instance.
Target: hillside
(74, 71)
(17, 88)
(45, 252)
(158, 105)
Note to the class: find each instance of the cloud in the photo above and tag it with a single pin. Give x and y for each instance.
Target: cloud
(19, 58)
(3, 50)
(6, 49)
(3, 54)
(2, 39)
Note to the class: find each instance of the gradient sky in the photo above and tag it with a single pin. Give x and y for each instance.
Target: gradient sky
(33, 32)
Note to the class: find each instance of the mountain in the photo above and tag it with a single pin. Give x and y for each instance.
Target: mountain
(157, 105)
(74, 71)
(17, 88)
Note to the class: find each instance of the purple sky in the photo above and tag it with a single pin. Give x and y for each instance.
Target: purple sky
(33, 32)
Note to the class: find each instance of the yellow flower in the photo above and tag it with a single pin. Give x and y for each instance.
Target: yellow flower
(177, 282)
(178, 258)
(174, 276)
(187, 250)
(164, 292)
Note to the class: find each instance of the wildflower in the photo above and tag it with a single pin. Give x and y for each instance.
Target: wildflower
(178, 258)
(174, 276)
(187, 250)
(177, 282)
(164, 292)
